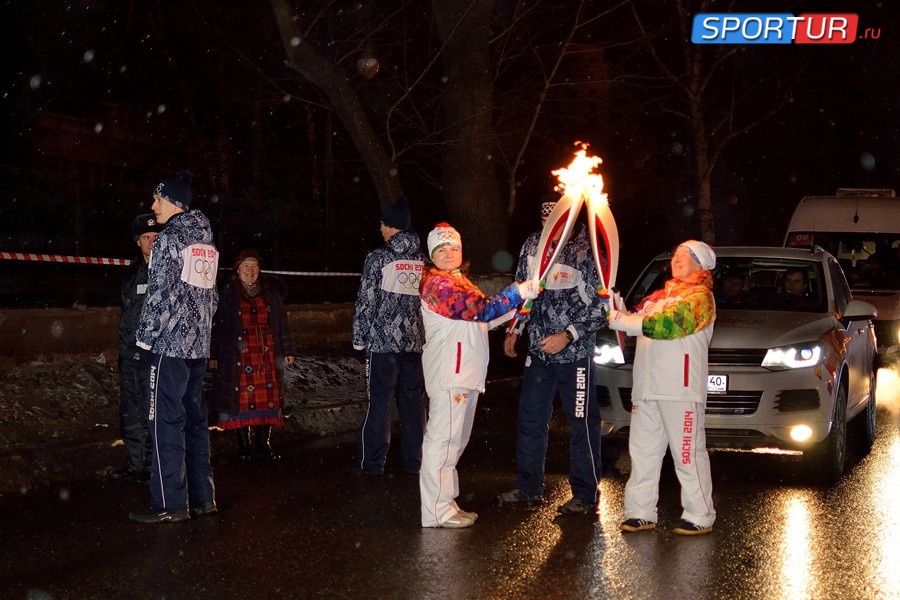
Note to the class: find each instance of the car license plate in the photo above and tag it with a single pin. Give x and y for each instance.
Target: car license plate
(717, 384)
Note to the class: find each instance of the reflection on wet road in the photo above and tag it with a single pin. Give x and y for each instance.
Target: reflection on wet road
(307, 528)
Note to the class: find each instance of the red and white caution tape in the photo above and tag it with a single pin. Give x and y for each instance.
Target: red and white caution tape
(91, 260)
(86, 260)
(311, 273)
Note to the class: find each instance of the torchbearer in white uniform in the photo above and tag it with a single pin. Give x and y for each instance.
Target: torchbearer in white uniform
(455, 358)
(673, 327)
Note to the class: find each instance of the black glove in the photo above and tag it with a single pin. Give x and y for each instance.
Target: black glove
(360, 355)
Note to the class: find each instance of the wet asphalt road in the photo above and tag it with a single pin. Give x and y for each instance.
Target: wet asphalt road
(307, 528)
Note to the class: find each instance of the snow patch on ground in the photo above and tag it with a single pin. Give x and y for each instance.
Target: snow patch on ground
(317, 380)
(56, 410)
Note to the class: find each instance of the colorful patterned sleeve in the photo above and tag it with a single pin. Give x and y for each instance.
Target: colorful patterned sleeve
(684, 316)
(455, 297)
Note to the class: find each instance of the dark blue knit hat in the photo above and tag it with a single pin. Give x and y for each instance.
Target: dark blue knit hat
(397, 214)
(176, 189)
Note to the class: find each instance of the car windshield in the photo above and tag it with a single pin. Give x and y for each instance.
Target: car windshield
(869, 260)
(751, 283)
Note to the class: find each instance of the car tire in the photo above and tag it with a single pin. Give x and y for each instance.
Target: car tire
(827, 459)
(863, 426)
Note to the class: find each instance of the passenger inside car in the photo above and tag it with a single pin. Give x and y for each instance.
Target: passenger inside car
(730, 289)
(795, 290)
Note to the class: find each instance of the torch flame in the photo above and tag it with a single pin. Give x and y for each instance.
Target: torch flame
(577, 180)
(579, 183)
(579, 186)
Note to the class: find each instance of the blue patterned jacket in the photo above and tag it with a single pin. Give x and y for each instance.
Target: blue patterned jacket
(387, 316)
(569, 300)
(181, 299)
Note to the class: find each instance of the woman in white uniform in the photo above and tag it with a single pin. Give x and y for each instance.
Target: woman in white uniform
(673, 326)
(455, 358)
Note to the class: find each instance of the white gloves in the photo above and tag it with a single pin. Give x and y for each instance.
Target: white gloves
(529, 289)
(615, 320)
(622, 321)
(618, 303)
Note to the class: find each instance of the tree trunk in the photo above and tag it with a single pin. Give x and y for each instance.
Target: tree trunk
(702, 160)
(333, 83)
(704, 191)
(469, 176)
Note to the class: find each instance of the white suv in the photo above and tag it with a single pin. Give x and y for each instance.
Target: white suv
(784, 371)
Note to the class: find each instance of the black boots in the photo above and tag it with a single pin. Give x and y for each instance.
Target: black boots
(264, 450)
(261, 436)
(243, 439)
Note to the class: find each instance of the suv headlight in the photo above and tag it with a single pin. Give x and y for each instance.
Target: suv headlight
(795, 356)
(608, 354)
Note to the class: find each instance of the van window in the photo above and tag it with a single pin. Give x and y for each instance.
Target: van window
(869, 260)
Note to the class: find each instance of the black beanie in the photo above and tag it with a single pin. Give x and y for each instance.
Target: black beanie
(176, 189)
(397, 214)
(144, 223)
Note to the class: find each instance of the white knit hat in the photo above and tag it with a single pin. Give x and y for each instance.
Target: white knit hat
(442, 234)
(702, 253)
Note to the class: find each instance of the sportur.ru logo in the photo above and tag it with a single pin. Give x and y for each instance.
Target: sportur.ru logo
(777, 28)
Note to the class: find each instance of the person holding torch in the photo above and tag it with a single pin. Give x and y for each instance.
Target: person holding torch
(455, 359)
(562, 326)
(673, 327)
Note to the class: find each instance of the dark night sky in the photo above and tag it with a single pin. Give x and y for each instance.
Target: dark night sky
(842, 128)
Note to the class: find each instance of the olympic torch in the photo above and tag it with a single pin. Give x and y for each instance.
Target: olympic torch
(554, 235)
(604, 235)
(579, 186)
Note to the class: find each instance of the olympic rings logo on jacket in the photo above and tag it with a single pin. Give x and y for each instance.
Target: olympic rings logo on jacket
(205, 269)
(408, 280)
(201, 264)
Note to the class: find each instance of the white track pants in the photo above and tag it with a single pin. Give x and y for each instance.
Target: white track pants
(680, 426)
(450, 417)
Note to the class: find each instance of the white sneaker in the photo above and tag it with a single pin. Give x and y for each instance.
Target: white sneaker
(471, 515)
(458, 521)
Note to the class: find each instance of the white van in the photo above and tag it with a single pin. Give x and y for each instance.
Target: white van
(861, 228)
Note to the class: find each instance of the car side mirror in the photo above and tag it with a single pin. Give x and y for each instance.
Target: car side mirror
(857, 310)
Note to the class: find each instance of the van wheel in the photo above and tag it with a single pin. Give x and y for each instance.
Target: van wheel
(827, 460)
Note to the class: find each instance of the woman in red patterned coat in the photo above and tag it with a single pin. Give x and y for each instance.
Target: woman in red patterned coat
(251, 345)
